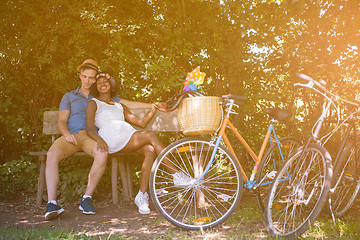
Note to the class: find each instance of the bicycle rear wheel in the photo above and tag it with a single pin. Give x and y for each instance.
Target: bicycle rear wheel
(270, 164)
(298, 192)
(201, 205)
(346, 180)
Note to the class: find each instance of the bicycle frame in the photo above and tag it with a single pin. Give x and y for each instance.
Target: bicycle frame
(329, 97)
(249, 183)
(345, 139)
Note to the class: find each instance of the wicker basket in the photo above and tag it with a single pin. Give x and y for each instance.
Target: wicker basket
(199, 115)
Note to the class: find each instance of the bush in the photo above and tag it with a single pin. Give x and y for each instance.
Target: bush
(18, 175)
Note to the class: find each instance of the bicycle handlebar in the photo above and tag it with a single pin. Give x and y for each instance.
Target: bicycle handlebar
(238, 100)
(312, 82)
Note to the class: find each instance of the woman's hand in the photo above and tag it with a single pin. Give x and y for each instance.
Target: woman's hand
(160, 106)
(102, 146)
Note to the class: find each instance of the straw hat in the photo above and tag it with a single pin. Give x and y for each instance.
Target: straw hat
(90, 64)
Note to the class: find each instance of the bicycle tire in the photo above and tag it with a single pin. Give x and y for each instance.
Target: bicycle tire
(206, 204)
(293, 202)
(345, 184)
(270, 164)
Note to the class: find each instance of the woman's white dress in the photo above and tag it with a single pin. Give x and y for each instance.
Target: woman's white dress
(110, 121)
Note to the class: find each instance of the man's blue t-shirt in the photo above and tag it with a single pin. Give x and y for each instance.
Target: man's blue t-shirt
(76, 102)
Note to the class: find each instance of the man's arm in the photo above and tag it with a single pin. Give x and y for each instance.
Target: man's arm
(63, 117)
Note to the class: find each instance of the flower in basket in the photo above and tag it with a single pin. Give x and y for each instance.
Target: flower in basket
(193, 80)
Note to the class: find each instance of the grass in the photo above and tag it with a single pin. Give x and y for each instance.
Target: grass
(13, 233)
(345, 228)
(244, 224)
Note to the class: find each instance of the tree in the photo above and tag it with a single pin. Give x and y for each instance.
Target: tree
(250, 48)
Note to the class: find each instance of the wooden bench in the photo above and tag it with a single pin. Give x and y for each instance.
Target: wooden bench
(161, 122)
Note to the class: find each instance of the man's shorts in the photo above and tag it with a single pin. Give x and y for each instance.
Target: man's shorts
(84, 143)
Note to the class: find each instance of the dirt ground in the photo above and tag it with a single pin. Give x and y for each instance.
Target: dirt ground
(19, 212)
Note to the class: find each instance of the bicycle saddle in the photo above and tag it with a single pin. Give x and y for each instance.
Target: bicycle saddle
(278, 114)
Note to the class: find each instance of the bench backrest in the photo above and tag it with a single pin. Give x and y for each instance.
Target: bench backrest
(161, 122)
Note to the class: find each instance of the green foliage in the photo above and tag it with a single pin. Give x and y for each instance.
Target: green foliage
(18, 175)
(74, 173)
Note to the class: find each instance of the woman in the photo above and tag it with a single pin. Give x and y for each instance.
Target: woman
(117, 135)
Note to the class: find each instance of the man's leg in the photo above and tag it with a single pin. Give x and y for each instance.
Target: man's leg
(96, 171)
(89, 146)
(54, 157)
(60, 150)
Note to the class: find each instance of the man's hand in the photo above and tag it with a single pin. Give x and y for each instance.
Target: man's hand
(71, 138)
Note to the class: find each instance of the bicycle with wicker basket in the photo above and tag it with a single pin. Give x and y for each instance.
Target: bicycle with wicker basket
(215, 177)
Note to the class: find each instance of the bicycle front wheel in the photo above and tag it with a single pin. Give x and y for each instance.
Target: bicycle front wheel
(298, 192)
(270, 164)
(346, 180)
(200, 205)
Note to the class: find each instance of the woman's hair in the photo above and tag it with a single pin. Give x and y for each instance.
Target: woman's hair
(114, 85)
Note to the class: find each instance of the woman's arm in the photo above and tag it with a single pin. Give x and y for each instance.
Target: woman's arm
(140, 122)
(132, 105)
(90, 126)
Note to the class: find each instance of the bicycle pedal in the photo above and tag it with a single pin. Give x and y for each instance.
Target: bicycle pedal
(202, 220)
(161, 192)
(272, 174)
(349, 177)
(224, 197)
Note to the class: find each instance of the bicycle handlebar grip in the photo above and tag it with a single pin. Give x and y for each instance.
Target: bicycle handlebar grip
(305, 77)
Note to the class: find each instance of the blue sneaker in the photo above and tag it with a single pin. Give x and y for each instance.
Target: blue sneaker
(86, 206)
(52, 211)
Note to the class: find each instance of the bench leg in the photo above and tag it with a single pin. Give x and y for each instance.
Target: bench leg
(124, 179)
(115, 197)
(129, 181)
(41, 182)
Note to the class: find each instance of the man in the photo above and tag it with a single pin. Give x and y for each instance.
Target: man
(72, 125)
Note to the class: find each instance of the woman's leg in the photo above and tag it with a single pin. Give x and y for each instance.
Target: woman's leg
(149, 145)
(142, 138)
(149, 154)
